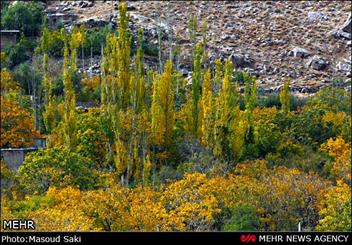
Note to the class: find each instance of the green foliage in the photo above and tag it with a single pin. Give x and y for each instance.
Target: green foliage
(55, 44)
(95, 39)
(19, 52)
(150, 49)
(28, 77)
(331, 99)
(56, 167)
(244, 218)
(314, 132)
(91, 140)
(285, 97)
(23, 16)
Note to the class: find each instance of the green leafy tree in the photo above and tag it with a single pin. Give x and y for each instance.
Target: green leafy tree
(56, 167)
(285, 97)
(23, 16)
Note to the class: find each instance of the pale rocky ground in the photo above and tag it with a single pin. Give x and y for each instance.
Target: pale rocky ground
(258, 35)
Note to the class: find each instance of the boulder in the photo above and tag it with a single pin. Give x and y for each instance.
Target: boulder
(240, 60)
(317, 63)
(346, 27)
(345, 30)
(299, 52)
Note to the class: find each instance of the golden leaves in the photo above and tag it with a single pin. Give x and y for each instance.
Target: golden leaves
(17, 126)
(341, 151)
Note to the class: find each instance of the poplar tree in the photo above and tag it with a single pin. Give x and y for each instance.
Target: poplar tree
(285, 97)
(69, 120)
(124, 55)
(206, 102)
(49, 104)
(218, 75)
(162, 109)
(250, 100)
(196, 81)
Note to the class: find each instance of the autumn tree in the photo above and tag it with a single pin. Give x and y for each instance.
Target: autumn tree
(341, 152)
(285, 97)
(69, 120)
(335, 209)
(196, 87)
(206, 108)
(124, 55)
(49, 115)
(162, 110)
(17, 126)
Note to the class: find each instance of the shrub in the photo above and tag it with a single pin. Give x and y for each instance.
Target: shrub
(56, 167)
(244, 218)
(19, 52)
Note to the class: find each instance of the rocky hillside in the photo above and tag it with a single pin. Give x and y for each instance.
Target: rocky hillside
(308, 41)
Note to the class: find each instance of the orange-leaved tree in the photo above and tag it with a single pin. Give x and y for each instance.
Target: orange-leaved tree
(17, 126)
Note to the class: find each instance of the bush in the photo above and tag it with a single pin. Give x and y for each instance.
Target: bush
(95, 39)
(23, 16)
(331, 99)
(56, 44)
(56, 167)
(150, 49)
(20, 52)
(244, 218)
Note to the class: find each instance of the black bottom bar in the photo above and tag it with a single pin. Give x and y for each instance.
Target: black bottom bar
(176, 237)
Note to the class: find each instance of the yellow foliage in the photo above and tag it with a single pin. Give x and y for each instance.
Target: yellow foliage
(341, 151)
(65, 214)
(17, 125)
(335, 208)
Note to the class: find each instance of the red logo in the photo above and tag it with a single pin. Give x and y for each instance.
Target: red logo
(248, 238)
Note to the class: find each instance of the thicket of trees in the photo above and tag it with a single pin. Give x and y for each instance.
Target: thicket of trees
(159, 152)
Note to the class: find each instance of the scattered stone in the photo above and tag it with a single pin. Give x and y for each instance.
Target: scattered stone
(316, 16)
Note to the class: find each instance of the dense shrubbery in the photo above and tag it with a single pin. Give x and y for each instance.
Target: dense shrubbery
(19, 52)
(56, 167)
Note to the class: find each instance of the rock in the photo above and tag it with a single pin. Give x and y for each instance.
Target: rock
(279, 42)
(344, 67)
(90, 4)
(240, 60)
(130, 7)
(83, 4)
(237, 60)
(316, 16)
(66, 9)
(299, 52)
(317, 63)
(345, 29)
